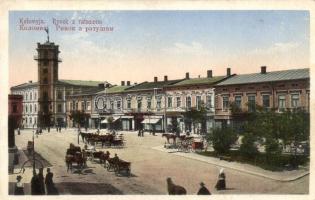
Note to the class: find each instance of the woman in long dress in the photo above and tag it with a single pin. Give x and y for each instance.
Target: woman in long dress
(19, 187)
(221, 182)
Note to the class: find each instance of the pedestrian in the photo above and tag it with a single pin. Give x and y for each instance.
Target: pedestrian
(48, 129)
(139, 133)
(142, 132)
(60, 129)
(50, 187)
(203, 190)
(19, 187)
(18, 130)
(35, 184)
(221, 182)
(41, 181)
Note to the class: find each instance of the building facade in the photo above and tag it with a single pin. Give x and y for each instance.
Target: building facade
(44, 101)
(279, 90)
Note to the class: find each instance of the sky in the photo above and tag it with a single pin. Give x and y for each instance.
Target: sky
(144, 44)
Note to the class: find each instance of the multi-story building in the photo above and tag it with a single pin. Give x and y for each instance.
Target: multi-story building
(192, 93)
(44, 102)
(280, 90)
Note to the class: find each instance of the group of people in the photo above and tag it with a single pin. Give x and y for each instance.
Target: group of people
(220, 185)
(40, 185)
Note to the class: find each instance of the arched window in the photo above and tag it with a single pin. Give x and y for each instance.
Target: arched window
(26, 108)
(26, 96)
(31, 110)
(35, 108)
(31, 95)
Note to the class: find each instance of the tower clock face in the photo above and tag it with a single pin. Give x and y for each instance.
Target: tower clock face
(99, 103)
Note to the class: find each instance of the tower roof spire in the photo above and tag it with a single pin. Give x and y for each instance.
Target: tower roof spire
(47, 31)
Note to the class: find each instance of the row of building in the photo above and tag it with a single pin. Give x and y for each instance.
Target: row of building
(154, 104)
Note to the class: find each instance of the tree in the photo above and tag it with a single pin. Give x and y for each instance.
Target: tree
(196, 116)
(79, 117)
(222, 139)
(110, 120)
(248, 147)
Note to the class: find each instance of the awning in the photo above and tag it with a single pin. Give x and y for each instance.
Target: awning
(126, 117)
(150, 121)
(106, 122)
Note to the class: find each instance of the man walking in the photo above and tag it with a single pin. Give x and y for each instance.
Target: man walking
(49, 182)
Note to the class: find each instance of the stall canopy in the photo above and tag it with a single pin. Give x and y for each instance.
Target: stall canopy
(150, 121)
(106, 122)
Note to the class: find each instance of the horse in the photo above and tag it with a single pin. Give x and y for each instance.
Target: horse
(169, 136)
(174, 189)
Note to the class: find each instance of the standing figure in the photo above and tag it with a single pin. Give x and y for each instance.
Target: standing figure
(35, 184)
(50, 188)
(203, 190)
(41, 181)
(19, 187)
(48, 129)
(221, 182)
(18, 130)
(142, 132)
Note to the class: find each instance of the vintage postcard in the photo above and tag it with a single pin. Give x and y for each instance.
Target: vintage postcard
(158, 101)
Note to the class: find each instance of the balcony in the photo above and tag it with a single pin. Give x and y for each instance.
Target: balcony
(36, 57)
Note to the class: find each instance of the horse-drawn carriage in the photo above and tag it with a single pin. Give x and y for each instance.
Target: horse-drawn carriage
(109, 140)
(75, 155)
(118, 165)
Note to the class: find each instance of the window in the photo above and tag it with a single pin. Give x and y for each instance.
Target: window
(128, 103)
(188, 102)
(31, 110)
(158, 103)
(59, 95)
(295, 98)
(35, 96)
(26, 96)
(82, 105)
(26, 120)
(35, 120)
(178, 102)
(209, 101)
(45, 81)
(238, 101)
(30, 120)
(139, 105)
(225, 102)
(251, 103)
(169, 102)
(149, 103)
(88, 105)
(59, 108)
(45, 96)
(281, 102)
(198, 102)
(26, 108)
(118, 104)
(31, 96)
(35, 108)
(266, 101)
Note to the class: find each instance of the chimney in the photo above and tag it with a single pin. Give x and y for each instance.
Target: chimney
(209, 73)
(228, 71)
(165, 78)
(263, 69)
(30, 81)
(187, 75)
(128, 83)
(122, 83)
(155, 79)
(101, 86)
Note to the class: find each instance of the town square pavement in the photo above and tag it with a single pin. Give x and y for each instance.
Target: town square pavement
(149, 169)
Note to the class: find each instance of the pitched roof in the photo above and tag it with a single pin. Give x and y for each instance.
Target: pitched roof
(199, 81)
(23, 85)
(81, 83)
(152, 85)
(114, 89)
(283, 75)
